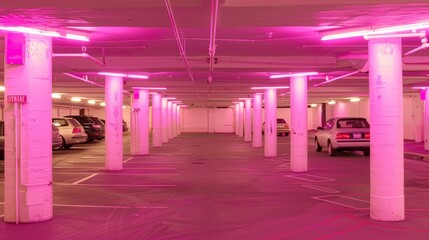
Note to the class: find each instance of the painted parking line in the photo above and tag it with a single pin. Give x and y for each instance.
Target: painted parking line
(128, 159)
(134, 162)
(171, 153)
(116, 185)
(323, 189)
(84, 179)
(106, 206)
(363, 204)
(310, 178)
(115, 174)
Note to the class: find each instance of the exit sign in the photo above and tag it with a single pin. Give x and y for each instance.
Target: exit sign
(17, 99)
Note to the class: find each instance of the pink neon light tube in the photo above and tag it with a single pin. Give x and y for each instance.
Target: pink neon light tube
(44, 33)
(384, 30)
(274, 87)
(150, 88)
(123, 75)
(294, 75)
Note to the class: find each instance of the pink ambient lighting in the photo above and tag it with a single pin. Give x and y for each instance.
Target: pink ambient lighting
(45, 33)
(150, 88)
(274, 87)
(422, 88)
(385, 30)
(170, 98)
(293, 75)
(123, 75)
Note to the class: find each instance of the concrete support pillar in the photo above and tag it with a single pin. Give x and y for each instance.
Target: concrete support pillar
(156, 120)
(174, 110)
(140, 122)
(237, 114)
(28, 129)
(179, 120)
(113, 109)
(164, 121)
(426, 119)
(170, 120)
(299, 131)
(241, 119)
(270, 128)
(387, 146)
(248, 120)
(257, 120)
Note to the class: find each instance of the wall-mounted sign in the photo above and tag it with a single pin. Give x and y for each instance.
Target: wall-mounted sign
(17, 99)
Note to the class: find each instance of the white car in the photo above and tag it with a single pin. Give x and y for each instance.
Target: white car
(343, 134)
(71, 131)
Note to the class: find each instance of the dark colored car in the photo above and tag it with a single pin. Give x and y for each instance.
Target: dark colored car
(92, 130)
(98, 124)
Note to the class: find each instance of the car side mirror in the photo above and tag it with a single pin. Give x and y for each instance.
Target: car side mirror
(320, 128)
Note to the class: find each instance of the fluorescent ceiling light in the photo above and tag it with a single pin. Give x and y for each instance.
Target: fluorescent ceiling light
(294, 75)
(123, 75)
(332, 102)
(150, 88)
(44, 33)
(169, 98)
(422, 87)
(354, 99)
(384, 30)
(2, 88)
(56, 95)
(91, 101)
(274, 87)
(75, 99)
(313, 105)
(243, 98)
(102, 104)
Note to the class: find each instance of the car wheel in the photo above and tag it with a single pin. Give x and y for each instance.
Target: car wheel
(366, 152)
(67, 146)
(63, 143)
(286, 134)
(89, 139)
(331, 150)
(317, 146)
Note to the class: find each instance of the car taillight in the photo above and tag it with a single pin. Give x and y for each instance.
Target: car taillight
(342, 136)
(367, 136)
(96, 126)
(76, 130)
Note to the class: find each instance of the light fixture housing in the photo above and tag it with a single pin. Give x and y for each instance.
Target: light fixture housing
(75, 99)
(294, 75)
(354, 99)
(56, 95)
(332, 102)
(102, 104)
(91, 101)
(2, 88)
(313, 105)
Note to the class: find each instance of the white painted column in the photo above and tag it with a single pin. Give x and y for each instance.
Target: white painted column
(241, 119)
(270, 131)
(387, 147)
(113, 143)
(170, 120)
(299, 131)
(140, 122)
(174, 110)
(179, 120)
(426, 120)
(237, 118)
(248, 121)
(156, 120)
(28, 131)
(257, 120)
(164, 121)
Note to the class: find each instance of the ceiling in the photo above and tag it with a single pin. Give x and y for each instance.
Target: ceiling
(254, 39)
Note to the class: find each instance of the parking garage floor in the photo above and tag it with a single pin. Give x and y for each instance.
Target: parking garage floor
(215, 186)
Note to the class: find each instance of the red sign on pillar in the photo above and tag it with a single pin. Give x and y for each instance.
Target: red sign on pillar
(17, 99)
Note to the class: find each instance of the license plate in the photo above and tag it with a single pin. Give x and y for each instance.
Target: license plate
(357, 135)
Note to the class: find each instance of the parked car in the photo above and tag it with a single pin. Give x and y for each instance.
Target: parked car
(98, 124)
(92, 130)
(124, 124)
(57, 141)
(343, 134)
(282, 127)
(71, 131)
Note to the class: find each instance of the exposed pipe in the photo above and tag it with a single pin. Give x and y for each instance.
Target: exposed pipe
(180, 45)
(83, 54)
(83, 79)
(213, 27)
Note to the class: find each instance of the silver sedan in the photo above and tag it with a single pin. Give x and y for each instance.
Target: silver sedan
(343, 134)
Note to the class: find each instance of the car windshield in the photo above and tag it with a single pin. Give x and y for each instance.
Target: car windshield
(352, 123)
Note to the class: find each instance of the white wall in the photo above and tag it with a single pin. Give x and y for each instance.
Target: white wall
(213, 120)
